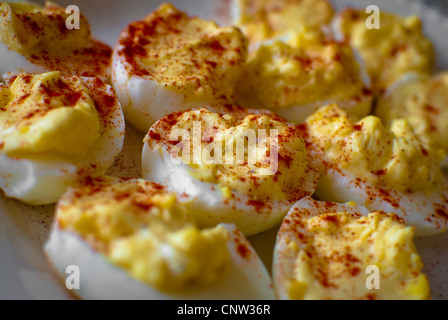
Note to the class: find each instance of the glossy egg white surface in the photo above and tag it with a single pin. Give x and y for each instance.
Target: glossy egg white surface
(245, 278)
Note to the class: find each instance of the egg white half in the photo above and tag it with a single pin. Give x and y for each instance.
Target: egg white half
(43, 181)
(284, 260)
(209, 203)
(245, 278)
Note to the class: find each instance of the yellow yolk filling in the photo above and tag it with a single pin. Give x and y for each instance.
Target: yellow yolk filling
(422, 102)
(343, 257)
(264, 19)
(186, 54)
(47, 115)
(143, 229)
(258, 155)
(397, 158)
(24, 26)
(305, 70)
(397, 47)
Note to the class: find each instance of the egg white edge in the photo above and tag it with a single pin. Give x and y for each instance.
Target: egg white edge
(339, 187)
(245, 277)
(160, 167)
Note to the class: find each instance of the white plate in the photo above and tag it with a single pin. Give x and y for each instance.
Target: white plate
(24, 272)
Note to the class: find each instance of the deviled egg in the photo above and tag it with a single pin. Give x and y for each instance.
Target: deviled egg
(397, 47)
(423, 101)
(236, 165)
(295, 78)
(337, 251)
(261, 20)
(36, 39)
(170, 62)
(139, 241)
(53, 130)
(390, 170)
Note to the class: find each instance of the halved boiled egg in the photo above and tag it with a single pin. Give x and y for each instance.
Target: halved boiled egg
(261, 20)
(393, 47)
(36, 39)
(295, 78)
(337, 251)
(139, 241)
(423, 101)
(53, 130)
(390, 170)
(237, 165)
(170, 62)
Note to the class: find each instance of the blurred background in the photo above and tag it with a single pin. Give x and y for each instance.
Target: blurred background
(441, 4)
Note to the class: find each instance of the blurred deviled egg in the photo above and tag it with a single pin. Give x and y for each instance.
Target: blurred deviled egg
(261, 20)
(423, 101)
(295, 78)
(139, 241)
(390, 170)
(237, 165)
(397, 47)
(170, 62)
(36, 39)
(337, 251)
(54, 129)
